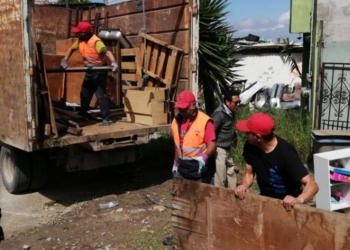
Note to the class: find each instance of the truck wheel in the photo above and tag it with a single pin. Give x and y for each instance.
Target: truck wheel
(15, 169)
(39, 170)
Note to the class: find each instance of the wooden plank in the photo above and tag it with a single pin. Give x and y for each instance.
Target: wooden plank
(179, 39)
(44, 86)
(54, 80)
(161, 61)
(170, 68)
(147, 108)
(151, 74)
(128, 52)
(154, 119)
(212, 218)
(146, 64)
(138, 66)
(157, 41)
(153, 62)
(129, 65)
(129, 77)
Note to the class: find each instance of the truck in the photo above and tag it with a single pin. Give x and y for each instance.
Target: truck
(156, 35)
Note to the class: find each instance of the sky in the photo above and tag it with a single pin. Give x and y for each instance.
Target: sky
(268, 19)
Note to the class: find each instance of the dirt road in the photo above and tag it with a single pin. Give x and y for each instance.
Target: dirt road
(66, 214)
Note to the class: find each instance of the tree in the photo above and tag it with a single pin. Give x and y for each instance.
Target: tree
(216, 50)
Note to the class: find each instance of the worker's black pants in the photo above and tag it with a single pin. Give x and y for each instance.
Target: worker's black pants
(95, 83)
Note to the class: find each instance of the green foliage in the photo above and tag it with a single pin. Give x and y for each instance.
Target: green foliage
(216, 50)
(153, 239)
(290, 125)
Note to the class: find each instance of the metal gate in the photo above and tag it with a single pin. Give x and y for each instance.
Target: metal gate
(335, 97)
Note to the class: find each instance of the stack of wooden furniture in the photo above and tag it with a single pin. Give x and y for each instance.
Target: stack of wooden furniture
(147, 101)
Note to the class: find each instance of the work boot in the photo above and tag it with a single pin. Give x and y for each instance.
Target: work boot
(106, 121)
(168, 241)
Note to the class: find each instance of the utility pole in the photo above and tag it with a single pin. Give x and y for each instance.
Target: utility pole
(67, 4)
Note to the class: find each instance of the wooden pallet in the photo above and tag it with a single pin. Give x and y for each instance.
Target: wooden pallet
(161, 62)
(131, 66)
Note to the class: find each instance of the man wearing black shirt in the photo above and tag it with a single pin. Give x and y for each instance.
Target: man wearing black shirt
(279, 171)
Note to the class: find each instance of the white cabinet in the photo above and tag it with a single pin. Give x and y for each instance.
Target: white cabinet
(323, 164)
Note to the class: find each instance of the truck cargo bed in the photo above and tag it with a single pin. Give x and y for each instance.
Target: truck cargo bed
(121, 131)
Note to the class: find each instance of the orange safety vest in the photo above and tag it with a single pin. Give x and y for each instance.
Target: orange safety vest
(89, 53)
(193, 140)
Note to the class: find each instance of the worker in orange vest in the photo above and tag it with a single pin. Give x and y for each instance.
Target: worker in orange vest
(93, 52)
(195, 141)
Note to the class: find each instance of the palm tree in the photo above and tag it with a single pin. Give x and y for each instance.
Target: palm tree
(216, 50)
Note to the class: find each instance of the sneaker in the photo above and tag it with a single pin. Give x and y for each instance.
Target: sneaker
(168, 241)
(106, 122)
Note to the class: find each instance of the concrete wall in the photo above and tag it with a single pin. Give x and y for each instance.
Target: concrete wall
(336, 34)
(268, 68)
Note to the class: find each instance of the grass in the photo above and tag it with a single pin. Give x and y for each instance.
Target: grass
(152, 240)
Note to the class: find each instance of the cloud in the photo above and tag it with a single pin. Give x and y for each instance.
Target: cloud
(264, 25)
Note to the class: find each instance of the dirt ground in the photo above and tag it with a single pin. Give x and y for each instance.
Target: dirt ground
(140, 220)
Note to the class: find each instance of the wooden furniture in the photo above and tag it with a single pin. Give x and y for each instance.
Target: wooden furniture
(323, 164)
(161, 62)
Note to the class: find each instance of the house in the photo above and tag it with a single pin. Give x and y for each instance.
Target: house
(270, 79)
(265, 62)
(324, 24)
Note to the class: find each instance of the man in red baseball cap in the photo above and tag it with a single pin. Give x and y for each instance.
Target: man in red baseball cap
(195, 141)
(279, 171)
(94, 53)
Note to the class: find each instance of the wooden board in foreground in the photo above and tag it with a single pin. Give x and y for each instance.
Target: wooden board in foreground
(208, 217)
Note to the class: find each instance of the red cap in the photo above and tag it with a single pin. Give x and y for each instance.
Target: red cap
(184, 99)
(258, 123)
(82, 27)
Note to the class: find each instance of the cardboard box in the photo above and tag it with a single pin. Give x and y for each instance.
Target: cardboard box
(149, 94)
(144, 108)
(155, 119)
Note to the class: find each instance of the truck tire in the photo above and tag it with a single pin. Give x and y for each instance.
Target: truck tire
(15, 169)
(39, 171)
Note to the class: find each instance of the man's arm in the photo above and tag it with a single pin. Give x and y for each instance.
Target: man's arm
(247, 181)
(69, 53)
(309, 191)
(211, 148)
(110, 55)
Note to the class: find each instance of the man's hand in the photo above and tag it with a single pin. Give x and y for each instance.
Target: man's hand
(290, 201)
(240, 191)
(175, 167)
(202, 160)
(64, 63)
(115, 67)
